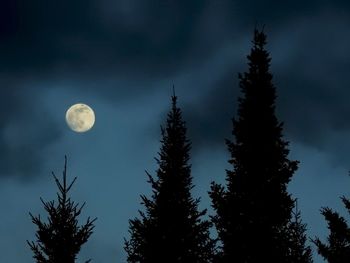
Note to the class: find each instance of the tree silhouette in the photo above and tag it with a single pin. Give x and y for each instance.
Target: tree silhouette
(252, 212)
(338, 248)
(298, 250)
(60, 239)
(171, 228)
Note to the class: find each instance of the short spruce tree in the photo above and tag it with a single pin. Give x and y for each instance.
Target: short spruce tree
(299, 251)
(59, 240)
(337, 247)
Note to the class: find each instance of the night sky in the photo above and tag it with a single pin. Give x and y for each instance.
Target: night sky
(122, 58)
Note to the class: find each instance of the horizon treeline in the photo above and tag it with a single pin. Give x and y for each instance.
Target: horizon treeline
(256, 219)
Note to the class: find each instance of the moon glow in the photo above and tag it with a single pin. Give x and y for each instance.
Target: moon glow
(80, 117)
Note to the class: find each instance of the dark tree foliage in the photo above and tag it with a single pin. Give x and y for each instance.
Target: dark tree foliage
(253, 210)
(298, 250)
(337, 249)
(171, 229)
(60, 239)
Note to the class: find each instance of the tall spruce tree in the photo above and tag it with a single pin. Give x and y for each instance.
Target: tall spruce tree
(298, 250)
(60, 239)
(252, 212)
(171, 229)
(337, 249)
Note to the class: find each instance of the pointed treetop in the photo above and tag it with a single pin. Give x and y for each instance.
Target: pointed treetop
(174, 91)
(259, 37)
(63, 186)
(174, 98)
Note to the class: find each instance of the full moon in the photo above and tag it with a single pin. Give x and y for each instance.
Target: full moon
(80, 117)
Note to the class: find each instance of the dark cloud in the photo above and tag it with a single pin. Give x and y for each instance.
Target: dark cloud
(209, 120)
(40, 37)
(26, 132)
(142, 37)
(138, 40)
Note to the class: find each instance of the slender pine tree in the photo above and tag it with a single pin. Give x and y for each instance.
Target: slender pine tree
(60, 239)
(253, 210)
(171, 229)
(337, 249)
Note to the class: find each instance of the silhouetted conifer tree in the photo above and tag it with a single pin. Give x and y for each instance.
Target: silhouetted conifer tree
(60, 239)
(252, 212)
(337, 249)
(171, 229)
(299, 252)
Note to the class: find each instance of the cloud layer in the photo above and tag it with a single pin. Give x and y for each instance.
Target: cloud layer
(120, 50)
